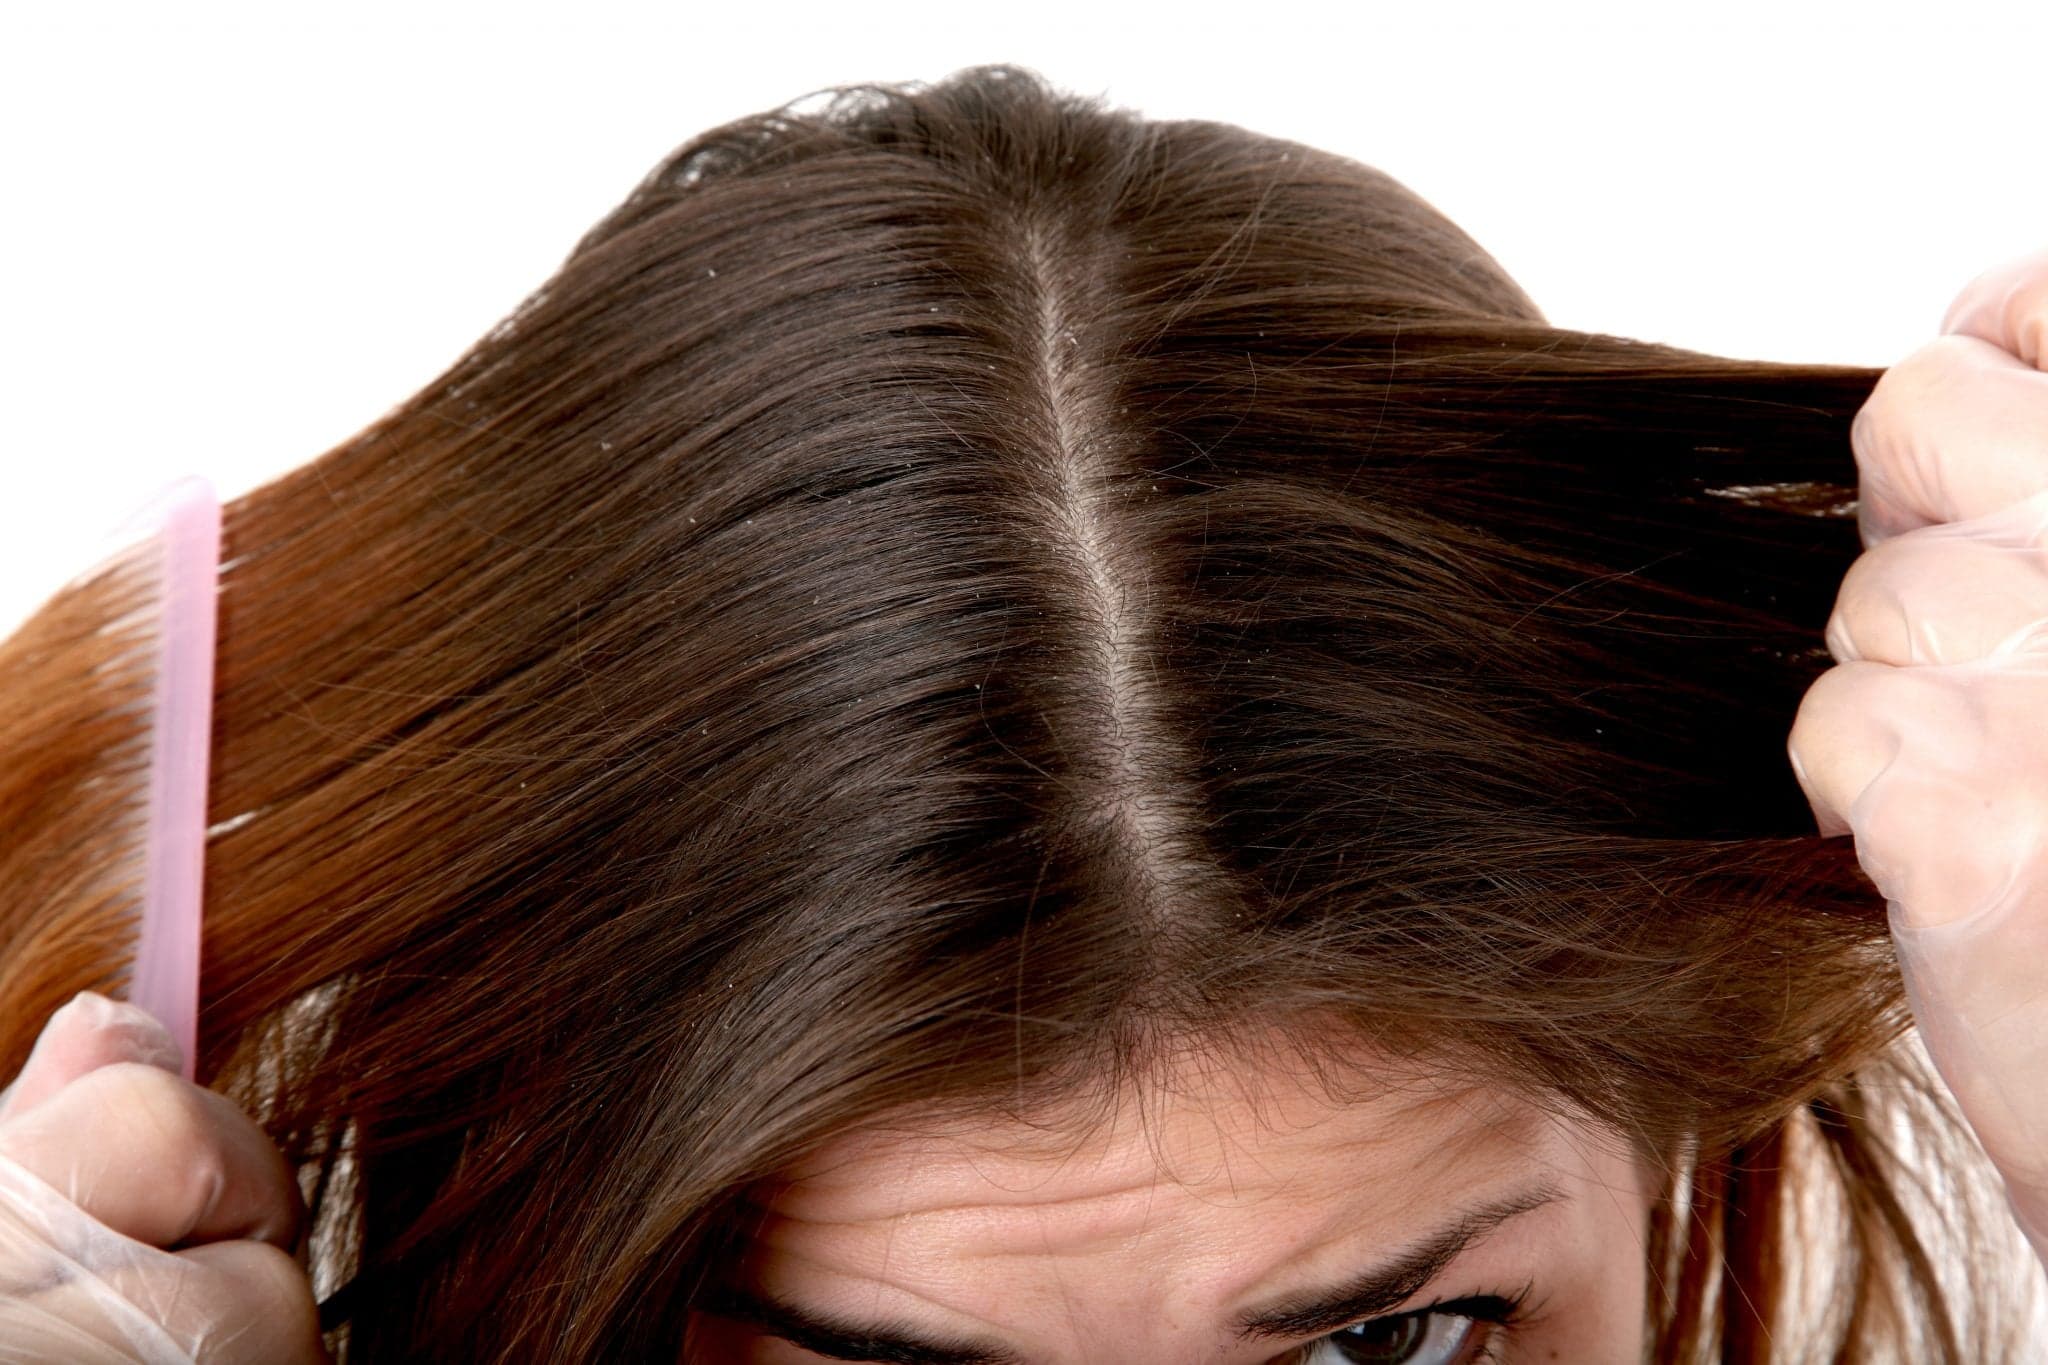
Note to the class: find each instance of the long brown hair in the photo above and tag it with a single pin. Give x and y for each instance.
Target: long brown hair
(943, 589)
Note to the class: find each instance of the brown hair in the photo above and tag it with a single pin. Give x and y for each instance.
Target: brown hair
(947, 588)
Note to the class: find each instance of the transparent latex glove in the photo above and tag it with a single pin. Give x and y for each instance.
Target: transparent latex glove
(1928, 739)
(142, 1219)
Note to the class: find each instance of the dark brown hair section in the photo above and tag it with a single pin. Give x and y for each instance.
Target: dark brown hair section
(947, 587)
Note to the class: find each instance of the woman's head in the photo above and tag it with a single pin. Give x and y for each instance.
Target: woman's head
(949, 603)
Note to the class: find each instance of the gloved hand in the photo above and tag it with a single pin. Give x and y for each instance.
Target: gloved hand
(1928, 740)
(142, 1219)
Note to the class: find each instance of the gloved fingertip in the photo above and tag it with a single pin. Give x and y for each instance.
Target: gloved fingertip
(117, 1030)
(84, 1013)
(90, 1005)
(1829, 823)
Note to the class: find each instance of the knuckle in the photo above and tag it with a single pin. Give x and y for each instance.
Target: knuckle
(1860, 426)
(274, 1298)
(2026, 318)
(1835, 693)
(176, 1122)
(1813, 705)
(1878, 576)
(1858, 586)
(255, 1306)
(1925, 372)
(1871, 428)
(1840, 636)
(149, 1094)
(1823, 691)
(276, 1283)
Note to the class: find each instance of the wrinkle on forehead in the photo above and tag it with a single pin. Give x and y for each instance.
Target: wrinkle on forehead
(1210, 1123)
(1215, 1186)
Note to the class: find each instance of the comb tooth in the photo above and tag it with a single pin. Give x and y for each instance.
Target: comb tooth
(183, 521)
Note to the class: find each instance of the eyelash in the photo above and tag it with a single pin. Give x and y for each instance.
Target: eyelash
(1501, 1311)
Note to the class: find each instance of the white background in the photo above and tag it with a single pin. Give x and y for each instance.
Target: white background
(234, 235)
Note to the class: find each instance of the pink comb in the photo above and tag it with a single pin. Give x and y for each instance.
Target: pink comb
(181, 530)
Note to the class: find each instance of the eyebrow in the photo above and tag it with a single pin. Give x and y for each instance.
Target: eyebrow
(837, 1340)
(1301, 1314)
(1386, 1287)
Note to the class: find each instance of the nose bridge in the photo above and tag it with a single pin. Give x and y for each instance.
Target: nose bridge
(1133, 1341)
(1168, 1319)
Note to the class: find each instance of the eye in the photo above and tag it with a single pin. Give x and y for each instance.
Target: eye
(1425, 1337)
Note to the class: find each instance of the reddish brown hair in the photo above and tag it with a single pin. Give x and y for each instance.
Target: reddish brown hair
(942, 590)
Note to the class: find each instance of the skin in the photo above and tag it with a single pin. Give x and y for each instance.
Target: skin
(1214, 1190)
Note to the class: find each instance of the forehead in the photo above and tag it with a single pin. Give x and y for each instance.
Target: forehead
(1202, 1136)
(1212, 1191)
